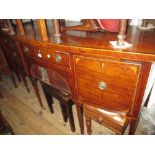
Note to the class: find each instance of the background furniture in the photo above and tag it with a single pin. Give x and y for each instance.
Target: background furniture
(4, 69)
(14, 57)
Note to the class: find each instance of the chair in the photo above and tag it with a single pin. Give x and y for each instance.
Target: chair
(64, 101)
(111, 25)
(115, 121)
(54, 85)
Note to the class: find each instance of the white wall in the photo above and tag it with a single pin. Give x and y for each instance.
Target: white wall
(150, 83)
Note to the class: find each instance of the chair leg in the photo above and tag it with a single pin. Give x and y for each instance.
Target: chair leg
(63, 111)
(79, 109)
(70, 115)
(88, 124)
(25, 83)
(18, 76)
(13, 79)
(49, 100)
(35, 87)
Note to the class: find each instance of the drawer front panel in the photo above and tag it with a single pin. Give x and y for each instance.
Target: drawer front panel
(106, 83)
(59, 58)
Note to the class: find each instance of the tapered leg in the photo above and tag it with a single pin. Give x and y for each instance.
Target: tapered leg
(63, 111)
(25, 83)
(70, 115)
(49, 100)
(13, 79)
(18, 76)
(133, 126)
(88, 123)
(35, 86)
(80, 117)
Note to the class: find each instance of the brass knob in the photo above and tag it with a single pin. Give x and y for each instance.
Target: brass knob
(48, 55)
(58, 58)
(102, 85)
(39, 54)
(26, 49)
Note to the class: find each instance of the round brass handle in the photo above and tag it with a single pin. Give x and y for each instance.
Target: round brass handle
(39, 54)
(26, 49)
(102, 85)
(48, 55)
(58, 58)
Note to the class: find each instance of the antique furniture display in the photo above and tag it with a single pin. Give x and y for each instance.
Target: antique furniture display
(13, 56)
(96, 73)
(4, 69)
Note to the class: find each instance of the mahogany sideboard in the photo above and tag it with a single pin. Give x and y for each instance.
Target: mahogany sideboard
(96, 73)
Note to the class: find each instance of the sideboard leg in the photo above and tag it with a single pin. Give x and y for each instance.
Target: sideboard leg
(80, 117)
(13, 79)
(35, 86)
(25, 83)
(133, 126)
(18, 76)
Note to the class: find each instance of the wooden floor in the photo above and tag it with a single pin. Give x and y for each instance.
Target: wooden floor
(26, 117)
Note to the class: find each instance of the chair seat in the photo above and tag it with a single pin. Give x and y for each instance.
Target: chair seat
(114, 121)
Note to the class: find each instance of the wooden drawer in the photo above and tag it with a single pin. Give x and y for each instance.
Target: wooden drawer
(106, 83)
(58, 57)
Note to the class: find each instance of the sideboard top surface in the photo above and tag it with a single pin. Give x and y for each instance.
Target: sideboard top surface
(143, 41)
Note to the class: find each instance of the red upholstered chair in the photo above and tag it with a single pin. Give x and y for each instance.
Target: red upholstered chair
(111, 25)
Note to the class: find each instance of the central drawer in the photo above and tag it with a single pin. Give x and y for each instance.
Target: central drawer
(106, 83)
(52, 56)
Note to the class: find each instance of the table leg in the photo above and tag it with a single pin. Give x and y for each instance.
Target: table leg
(79, 109)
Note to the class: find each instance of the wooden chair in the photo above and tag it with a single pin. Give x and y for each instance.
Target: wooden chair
(53, 85)
(115, 121)
(64, 100)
